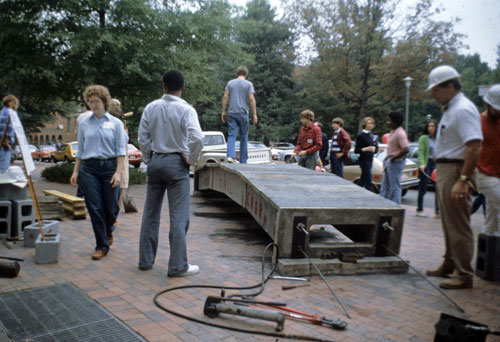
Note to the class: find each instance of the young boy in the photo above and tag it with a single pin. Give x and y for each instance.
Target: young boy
(309, 141)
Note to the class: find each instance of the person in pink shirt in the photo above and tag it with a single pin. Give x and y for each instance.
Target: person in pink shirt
(394, 162)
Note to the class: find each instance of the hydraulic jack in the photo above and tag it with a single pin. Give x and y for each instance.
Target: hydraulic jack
(216, 305)
(276, 312)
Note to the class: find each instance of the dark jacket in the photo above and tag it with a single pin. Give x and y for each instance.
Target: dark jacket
(344, 142)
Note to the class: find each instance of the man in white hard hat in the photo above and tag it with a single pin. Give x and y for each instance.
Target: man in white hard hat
(458, 146)
(489, 161)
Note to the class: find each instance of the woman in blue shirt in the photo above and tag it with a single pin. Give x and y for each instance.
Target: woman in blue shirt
(99, 161)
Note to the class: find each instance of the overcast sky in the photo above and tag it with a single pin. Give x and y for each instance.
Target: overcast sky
(480, 22)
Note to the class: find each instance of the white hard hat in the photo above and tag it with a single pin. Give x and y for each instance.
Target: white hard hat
(493, 97)
(441, 74)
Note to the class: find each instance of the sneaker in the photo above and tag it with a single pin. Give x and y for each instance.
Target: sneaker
(145, 268)
(420, 213)
(192, 269)
(232, 160)
(99, 254)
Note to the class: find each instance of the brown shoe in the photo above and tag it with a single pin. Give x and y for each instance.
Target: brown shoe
(444, 270)
(110, 238)
(99, 254)
(456, 283)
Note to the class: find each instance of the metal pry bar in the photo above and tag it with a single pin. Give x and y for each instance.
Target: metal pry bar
(326, 282)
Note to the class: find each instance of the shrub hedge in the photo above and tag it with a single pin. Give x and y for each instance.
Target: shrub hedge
(62, 172)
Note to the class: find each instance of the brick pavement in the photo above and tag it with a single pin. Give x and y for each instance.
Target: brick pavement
(228, 246)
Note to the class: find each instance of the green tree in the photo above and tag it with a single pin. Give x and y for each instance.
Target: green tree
(51, 50)
(270, 42)
(364, 49)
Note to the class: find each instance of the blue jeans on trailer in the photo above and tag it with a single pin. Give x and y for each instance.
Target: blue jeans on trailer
(337, 166)
(101, 199)
(422, 186)
(237, 122)
(166, 172)
(365, 180)
(391, 181)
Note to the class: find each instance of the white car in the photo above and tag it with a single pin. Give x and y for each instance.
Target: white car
(215, 151)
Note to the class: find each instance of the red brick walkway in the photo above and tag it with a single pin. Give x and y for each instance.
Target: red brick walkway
(228, 244)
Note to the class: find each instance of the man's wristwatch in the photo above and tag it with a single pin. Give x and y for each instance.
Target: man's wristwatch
(464, 178)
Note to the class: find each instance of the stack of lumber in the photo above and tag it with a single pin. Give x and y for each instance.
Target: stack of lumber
(73, 206)
(51, 208)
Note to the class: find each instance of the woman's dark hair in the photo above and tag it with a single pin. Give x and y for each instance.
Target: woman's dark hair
(426, 128)
(173, 80)
(397, 117)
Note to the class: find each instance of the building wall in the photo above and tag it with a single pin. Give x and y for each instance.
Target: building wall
(62, 130)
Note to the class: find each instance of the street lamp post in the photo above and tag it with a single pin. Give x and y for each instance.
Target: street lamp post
(407, 81)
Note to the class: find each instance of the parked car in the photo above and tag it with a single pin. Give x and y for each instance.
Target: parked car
(278, 147)
(43, 153)
(352, 171)
(215, 150)
(66, 152)
(134, 155)
(16, 153)
(34, 150)
(413, 153)
(282, 145)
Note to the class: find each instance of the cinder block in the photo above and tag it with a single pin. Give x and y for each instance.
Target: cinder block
(47, 251)
(31, 232)
(23, 214)
(5, 219)
(488, 256)
(11, 192)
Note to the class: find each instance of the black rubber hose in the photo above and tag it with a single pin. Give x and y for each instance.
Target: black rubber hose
(248, 331)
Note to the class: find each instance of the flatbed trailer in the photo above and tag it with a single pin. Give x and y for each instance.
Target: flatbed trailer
(341, 227)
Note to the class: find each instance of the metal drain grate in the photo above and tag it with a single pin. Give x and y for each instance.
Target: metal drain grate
(59, 313)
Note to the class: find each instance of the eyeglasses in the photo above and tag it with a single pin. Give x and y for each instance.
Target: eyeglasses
(93, 102)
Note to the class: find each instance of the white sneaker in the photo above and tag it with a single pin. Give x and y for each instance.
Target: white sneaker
(192, 269)
(420, 214)
(232, 160)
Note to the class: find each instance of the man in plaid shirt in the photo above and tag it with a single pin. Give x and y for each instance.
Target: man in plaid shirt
(309, 141)
(6, 135)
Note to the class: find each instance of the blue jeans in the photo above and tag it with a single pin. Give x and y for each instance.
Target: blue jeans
(4, 159)
(101, 199)
(166, 172)
(308, 161)
(337, 165)
(422, 186)
(237, 122)
(391, 181)
(365, 180)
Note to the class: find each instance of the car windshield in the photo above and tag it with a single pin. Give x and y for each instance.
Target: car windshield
(213, 140)
(131, 147)
(381, 155)
(74, 147)
(47, 148)
(252, 144)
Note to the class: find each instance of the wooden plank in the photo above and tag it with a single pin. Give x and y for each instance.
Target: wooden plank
(71, 210)
(76, 217)
(63, 196)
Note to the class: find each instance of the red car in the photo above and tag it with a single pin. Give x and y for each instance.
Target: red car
(43, 153)
(134, 155)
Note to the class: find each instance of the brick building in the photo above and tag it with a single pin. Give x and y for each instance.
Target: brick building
(61, 130)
